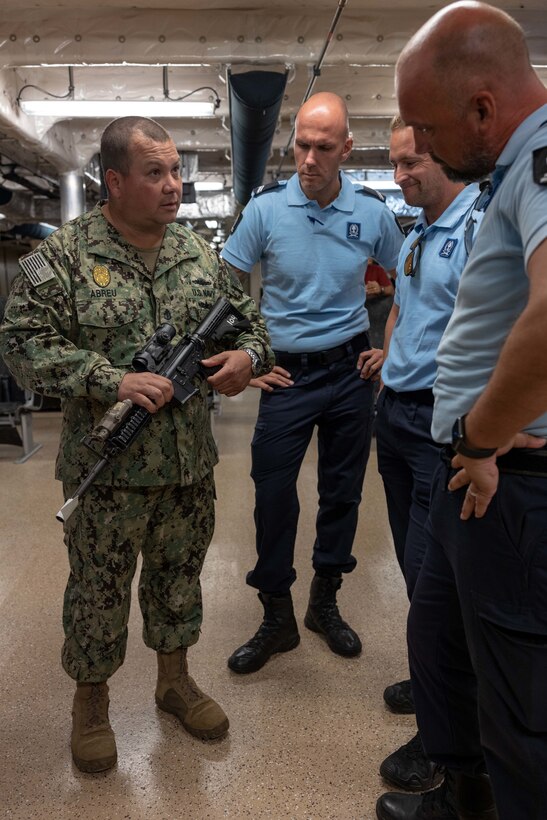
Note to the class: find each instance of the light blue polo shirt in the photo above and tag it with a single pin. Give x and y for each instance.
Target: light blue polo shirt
(313, 260)
(494, 286)
(426, 300)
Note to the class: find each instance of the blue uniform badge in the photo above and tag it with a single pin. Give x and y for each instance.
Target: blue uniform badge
(354, 230)
(448, 248)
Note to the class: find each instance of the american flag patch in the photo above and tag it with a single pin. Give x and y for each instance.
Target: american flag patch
(37, 269)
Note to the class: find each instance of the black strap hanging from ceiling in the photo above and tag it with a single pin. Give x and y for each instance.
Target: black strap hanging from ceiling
(316, 72)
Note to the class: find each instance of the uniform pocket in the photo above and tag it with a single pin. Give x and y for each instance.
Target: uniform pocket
(516, 664)
(102, 313)
(115, 328)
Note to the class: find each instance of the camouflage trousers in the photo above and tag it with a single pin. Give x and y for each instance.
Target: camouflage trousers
(171, 527)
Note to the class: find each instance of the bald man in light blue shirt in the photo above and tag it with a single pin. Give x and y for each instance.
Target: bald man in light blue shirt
(477, 628)
(313, 236)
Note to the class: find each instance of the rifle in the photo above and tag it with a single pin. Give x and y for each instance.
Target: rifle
(181, 363)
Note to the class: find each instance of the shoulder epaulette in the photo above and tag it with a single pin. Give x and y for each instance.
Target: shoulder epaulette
(270, 186)
(540, 166)
(362, 189)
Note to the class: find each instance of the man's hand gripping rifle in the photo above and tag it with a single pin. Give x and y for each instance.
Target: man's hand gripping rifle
(181, 363)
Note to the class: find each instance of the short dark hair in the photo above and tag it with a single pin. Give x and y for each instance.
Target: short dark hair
(396, 123)
(118, 135)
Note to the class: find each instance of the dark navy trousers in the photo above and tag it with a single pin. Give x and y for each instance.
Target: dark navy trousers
(477, 635)
(407, 460)
(335, 400)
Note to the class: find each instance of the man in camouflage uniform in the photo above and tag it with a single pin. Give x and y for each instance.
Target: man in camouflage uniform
(98, 288)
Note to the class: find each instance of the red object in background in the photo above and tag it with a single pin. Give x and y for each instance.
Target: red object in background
(376, 273)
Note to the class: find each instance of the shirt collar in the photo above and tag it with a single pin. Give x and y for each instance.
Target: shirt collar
(345, 201)
(453, 214)
(521, 135)
(104, 240)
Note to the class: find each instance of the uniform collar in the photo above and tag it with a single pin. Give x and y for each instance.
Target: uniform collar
(345, 201)
(520, 136)
(104, 240)
(453, 214)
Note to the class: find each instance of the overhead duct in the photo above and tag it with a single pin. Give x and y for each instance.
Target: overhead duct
(255, 99)
(16, 206)
(32, 230)
(20, 217)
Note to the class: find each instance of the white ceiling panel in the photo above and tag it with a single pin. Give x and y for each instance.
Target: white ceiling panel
(117, 50)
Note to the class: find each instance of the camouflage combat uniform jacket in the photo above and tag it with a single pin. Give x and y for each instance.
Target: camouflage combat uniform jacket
(74, 333)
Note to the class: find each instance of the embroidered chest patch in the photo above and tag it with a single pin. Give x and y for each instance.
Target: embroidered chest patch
(448, 248)
(354, 230)
(101, 276)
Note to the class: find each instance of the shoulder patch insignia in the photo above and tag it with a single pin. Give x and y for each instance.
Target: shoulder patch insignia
(37, 269)
(371, 192)
(270, 186)
(540, 165)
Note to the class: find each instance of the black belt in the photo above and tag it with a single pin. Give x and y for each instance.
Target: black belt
(516, 461)
(411, 396)
(322, 357)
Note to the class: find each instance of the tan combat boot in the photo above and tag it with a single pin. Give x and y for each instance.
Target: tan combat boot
(179, 694)
(93, 744)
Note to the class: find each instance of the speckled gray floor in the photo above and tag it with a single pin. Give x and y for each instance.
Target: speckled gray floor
(307, 732)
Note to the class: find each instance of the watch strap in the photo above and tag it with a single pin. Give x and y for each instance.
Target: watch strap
(460, 445)
(256, 361)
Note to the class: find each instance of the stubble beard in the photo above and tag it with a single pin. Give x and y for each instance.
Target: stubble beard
(478, 165)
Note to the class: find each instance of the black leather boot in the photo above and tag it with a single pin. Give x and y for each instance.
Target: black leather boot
(278, 632)
(460, 797)
(323, 616)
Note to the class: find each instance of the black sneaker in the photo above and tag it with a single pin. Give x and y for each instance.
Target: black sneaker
(399, 698)
(409, 768)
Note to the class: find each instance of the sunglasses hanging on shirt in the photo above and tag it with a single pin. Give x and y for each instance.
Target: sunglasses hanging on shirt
(412, 261)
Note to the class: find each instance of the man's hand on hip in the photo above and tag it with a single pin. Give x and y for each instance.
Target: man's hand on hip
(481, 475)
(276, 378)
(370, 363)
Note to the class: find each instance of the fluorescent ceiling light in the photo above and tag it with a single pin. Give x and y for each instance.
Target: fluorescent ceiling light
(110, 109)
(208, 186)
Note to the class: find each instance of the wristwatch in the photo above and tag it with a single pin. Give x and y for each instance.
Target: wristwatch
(256, 361)
(460, 446)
